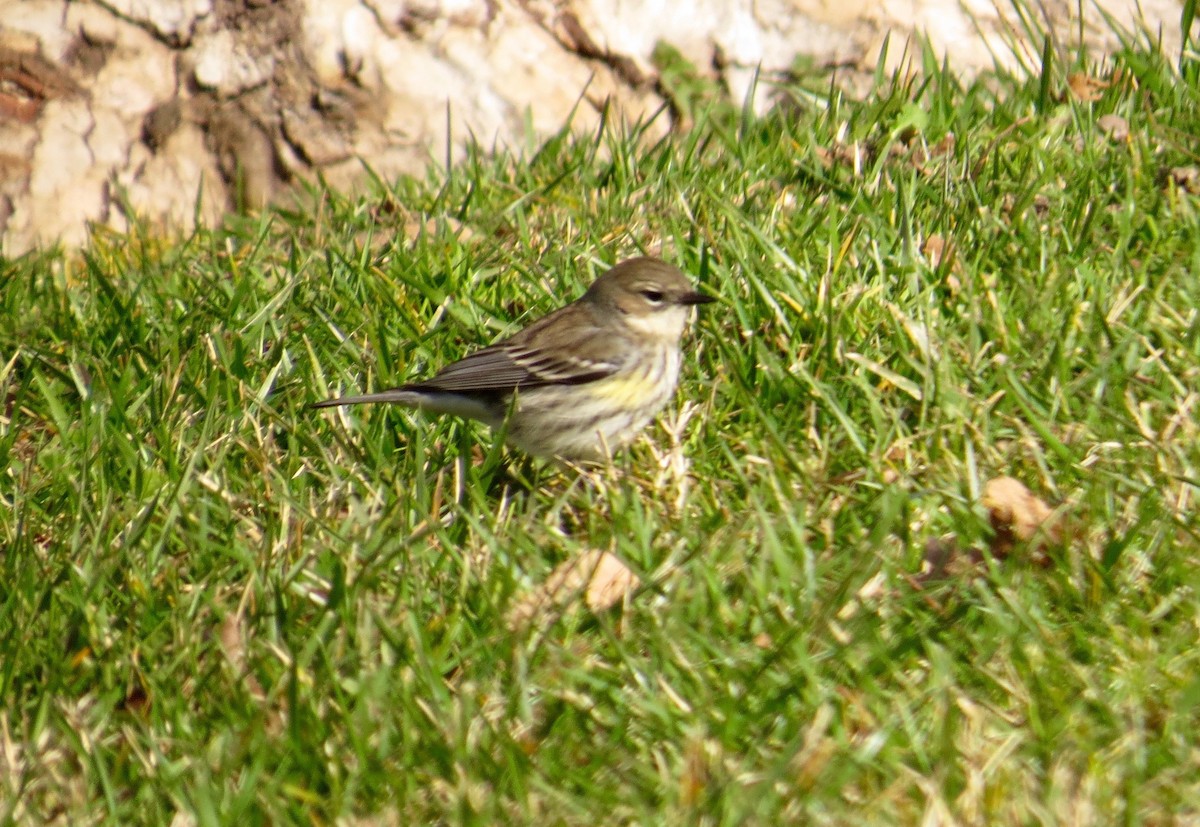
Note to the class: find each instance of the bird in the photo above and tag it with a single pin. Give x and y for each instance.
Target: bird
(579, 383)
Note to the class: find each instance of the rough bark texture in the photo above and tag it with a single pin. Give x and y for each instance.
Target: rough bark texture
(177, 109)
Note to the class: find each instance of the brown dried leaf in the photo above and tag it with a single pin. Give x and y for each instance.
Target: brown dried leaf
(938, 251)
(923, 156)
(611, 580)
(1084, 87)
(1186, 178)
(1017, 515)
(944, 147)
(815, 751)
(1114, 126)
(598, 576)
(939, 551)
(850, 155)
(945, 559)
(934, 247)
(695, 780)
(136, 699)
(233, 645)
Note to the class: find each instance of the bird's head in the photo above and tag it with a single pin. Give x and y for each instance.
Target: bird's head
(649, 295)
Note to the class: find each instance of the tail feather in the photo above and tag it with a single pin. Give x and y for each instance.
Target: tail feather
(487, 409)
(404, 396)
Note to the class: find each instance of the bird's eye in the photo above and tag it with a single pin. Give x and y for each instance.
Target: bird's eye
(653, 296)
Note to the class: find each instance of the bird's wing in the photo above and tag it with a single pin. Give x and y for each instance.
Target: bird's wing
(539, 355)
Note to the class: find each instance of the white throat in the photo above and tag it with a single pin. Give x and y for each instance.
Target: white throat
(665, 325)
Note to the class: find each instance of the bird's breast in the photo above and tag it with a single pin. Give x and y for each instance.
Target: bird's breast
(646, 384)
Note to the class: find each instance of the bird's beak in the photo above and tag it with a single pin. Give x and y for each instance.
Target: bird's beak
(695, 298)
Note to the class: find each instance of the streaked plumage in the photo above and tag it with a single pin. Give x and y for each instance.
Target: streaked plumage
(586, 378)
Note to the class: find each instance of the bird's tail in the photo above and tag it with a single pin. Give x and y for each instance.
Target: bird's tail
(485, 409)
(405, 396)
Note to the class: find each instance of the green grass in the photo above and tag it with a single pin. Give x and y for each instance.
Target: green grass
(218, 602)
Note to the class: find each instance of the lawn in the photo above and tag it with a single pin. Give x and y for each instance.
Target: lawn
(218, 606)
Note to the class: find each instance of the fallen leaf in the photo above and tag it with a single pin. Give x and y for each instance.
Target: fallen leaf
(934, 248)
(939, 551)
(232, 637)
(136, 699)
(943, 255)
(945, 146)
(1115, 127)
(815, 751)
(1186, 178)
(944, 559)
(610, 581)
(1084, 87)
(599, 577)
(922, 156)
(851, 155)
(1017, 515)
(695, 780)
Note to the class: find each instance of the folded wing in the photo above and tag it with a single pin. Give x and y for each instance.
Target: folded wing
(567, 347)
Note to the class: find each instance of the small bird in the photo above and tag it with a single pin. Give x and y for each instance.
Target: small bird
(576, 384)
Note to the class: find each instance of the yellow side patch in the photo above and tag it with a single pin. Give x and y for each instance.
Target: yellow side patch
(627, 391)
